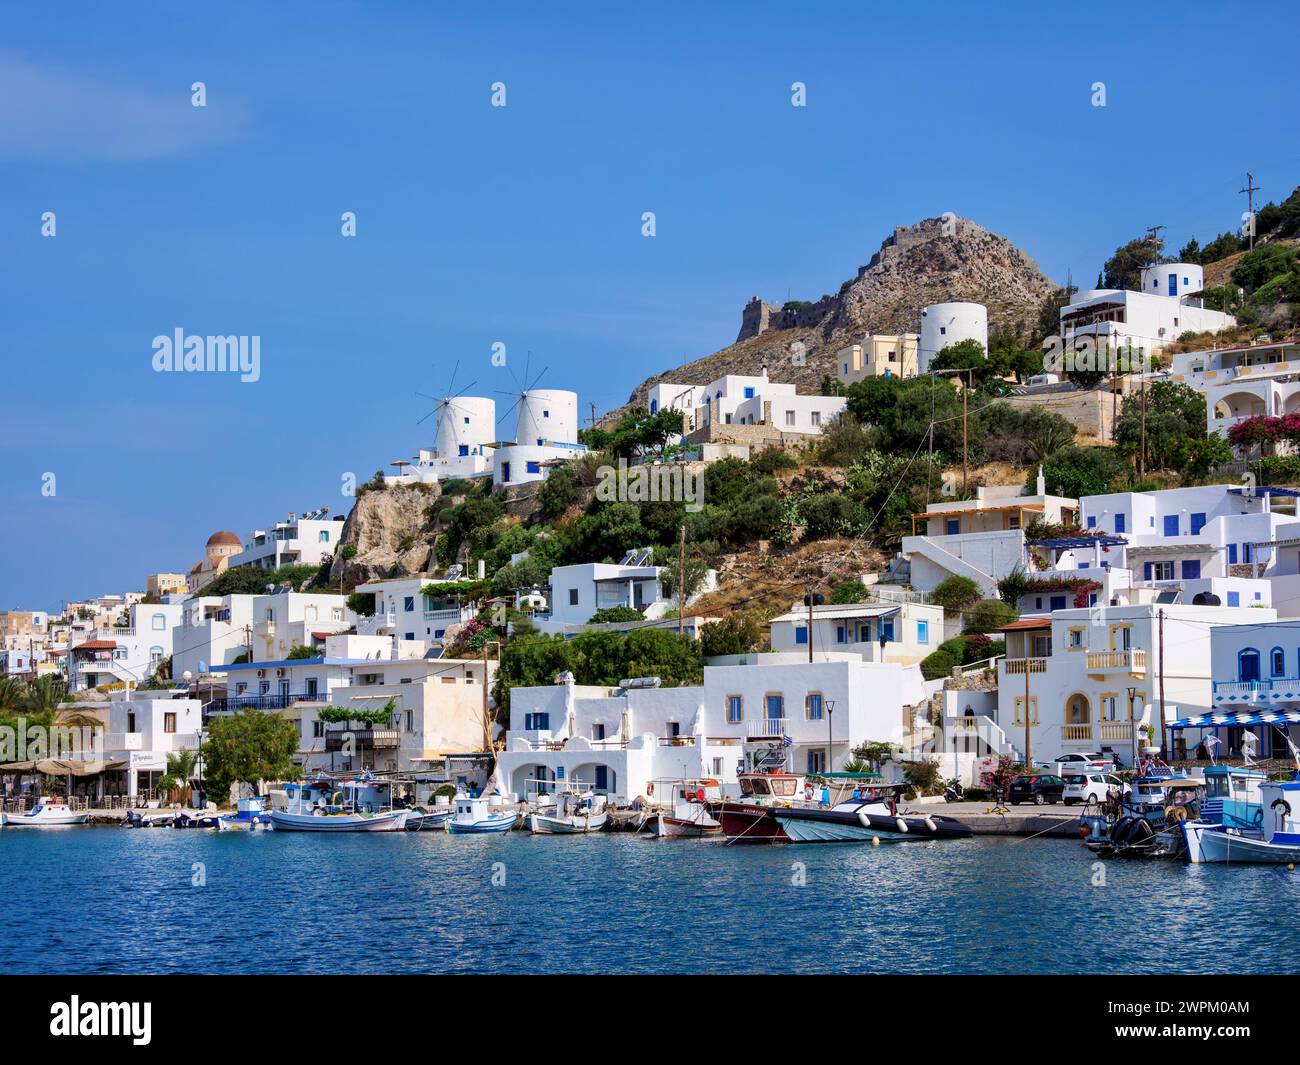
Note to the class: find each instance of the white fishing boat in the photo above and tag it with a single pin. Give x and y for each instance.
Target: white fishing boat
(250, 815)
(472, 815)
(576, 808)
(1276, 842)
(359, 804)
(48, 813)
(688, 813)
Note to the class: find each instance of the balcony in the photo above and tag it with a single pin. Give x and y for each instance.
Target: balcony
(1021, 666)
(768, 728)
(363, 739)
(1076, 733)
(1131, 661)
(1114, 730)
(269, 701)
(1275, 690)
(124, 741)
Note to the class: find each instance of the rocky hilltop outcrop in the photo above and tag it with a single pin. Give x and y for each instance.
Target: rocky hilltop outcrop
(390, 532)
(937, 260)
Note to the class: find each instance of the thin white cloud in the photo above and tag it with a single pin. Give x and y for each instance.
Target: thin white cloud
(55, 115)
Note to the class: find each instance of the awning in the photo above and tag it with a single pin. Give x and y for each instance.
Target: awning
(1239, 717)
(59, 767)
(1173, 550)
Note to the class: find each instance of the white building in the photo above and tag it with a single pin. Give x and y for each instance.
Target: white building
(902, 633)
(621, 740)
(404, 610)
(946, 324)
(1251, 381)
(546, 433)
(215, 630)
(141, 731)
(1146, 320)
(577, 592)
(981, 538)
(1094, 675)
(737, 399)
(464, 432)
(124, 655)
(1256, 671)
(306, 540)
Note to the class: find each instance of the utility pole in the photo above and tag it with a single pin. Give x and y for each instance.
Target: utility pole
(1163, 750)
(681, 581)
(487, 727)
(810, 636)
(1250, 190)
(1028, 751)
(1142, 431)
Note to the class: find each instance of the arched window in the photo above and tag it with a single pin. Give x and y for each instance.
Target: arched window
(1277, 662)
(1248, 665)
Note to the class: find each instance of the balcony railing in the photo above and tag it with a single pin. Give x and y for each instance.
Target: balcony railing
(1021, 666)
(1276, 689)
(1104, 661)
(1075, 733)
(768, 726)
(269, 701)
(1115, 730)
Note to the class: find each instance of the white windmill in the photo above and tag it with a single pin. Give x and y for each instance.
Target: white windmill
(464, 424)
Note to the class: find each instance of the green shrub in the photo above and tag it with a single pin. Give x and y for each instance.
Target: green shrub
(772, 459)
(924, 776)
(457, 486)
(1278, 470)
(615, 613)
(956, 593)
(348, 551)
(989, 615)
(848, 592)
(937, 664)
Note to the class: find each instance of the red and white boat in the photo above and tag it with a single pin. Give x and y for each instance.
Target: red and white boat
(748, 819)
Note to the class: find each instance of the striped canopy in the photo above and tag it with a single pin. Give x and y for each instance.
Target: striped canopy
(1228, 718)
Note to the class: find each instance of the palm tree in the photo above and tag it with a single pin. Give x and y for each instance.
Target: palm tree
(181, 765)
(13, 693)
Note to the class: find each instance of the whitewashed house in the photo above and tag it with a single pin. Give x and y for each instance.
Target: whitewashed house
(621, 740)
(579, 591)
(307, 540)
(124, 655)
(546, 433)
(141, 731)
(981, 538)
(1249, 381)
(405, 610)
(878, 632)
(1256, 689)
(740, 399)
(1094, 674)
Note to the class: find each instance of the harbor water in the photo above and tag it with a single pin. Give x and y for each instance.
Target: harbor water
(99, 900)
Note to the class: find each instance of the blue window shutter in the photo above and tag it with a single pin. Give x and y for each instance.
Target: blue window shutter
(1171, 524)
(1198, 523)
(1248, 552)
(1092, 521)
(1232, 554)
(841, 635)
(1191, 569)
(1058, 602)
(801, 635)
(1146, 571)
(1234, 599)
(953, 526)
(1119, 523)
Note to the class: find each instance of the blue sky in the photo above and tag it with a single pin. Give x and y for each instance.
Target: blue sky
(519, 224)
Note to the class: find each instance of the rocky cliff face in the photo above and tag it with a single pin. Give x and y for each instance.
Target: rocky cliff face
(934, 261)
(392, 532)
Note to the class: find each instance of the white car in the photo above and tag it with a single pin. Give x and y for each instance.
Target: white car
(1069, 764)
(1092, 787)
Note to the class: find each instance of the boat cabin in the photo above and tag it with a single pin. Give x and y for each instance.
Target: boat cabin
(763, 788)
(1232, 796)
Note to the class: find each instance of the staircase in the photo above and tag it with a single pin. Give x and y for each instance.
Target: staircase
(930, 548)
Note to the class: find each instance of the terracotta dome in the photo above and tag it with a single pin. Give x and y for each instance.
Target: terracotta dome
(224, 538)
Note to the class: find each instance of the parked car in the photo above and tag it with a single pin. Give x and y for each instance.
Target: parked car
(1092, 788)
(1037, 788)
(1084, 763)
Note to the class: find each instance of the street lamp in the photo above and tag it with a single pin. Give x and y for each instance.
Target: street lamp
(830, 709)
(1132, 728)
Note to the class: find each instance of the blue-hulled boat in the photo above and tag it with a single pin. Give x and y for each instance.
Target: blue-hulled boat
(250, 816)
(1276, 842)
(1232, 803)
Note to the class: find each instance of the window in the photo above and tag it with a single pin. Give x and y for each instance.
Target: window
(816, 762)
(1171, 524)
(1198, 523)
(1248, 553)
(801, 634)
(573, 597)
(462, 450)
(540, 441)
(749, 392)
(1056, 602)
(546, 414)
(1247, 665)
(408, 603)
(812, 706)
(1277, 662)
(312, 686)
(409, 636)
(537, 722)
(1232, 554)
(922, 632)
(887, 628)
(816, 417)
(841, 634)
(1092, 521)
(1110, 707)
(735, 709)
(952, 526)
(1074, 640)
(597, 730)
(789, 417)
(1191, 569)
(1162, 571)
(654, 406)
(1020, 710)
(1119, 523)
(159, 622)
(467, 419)
(775, 705)
(169, 721)
(1234, 599)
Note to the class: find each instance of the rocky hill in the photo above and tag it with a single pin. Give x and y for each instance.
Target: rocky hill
(934, 261)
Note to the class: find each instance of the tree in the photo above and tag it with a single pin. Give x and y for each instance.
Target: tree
(956, 593)
(1268, 261)
(989, 615)
(1124, 268)
(1175, 413)
(638, 433)
(558, 493)
(848, 592)
(614, 613)
(736, 634)
(674, 659)
(247, 747)
(696, 572)
(1081, 471)
(301, 651)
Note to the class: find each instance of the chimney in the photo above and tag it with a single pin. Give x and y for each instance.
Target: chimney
(1041, 485)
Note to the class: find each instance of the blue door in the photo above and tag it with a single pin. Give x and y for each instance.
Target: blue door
(1173, 284)
(602, 778)
(775, 707)
(1248, 666)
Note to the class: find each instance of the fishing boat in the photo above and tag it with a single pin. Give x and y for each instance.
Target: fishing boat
(687, 815)
(421, 817)
(1146, 824)
(872, 816)
(137, 819)
(358, 804)
(473, 816)
(184, 820)
(576, 809)
(1277, 842)
(1232, 803)
(747, 819)
(47, 813)
(250, 816)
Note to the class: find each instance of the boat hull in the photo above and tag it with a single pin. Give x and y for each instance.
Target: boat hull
(667, 827)
(495, 823)
(47, 821)
(418, 822)
(542, 825)
(1208, 842)
(748, 823)
(856, 826)
(387, 822)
